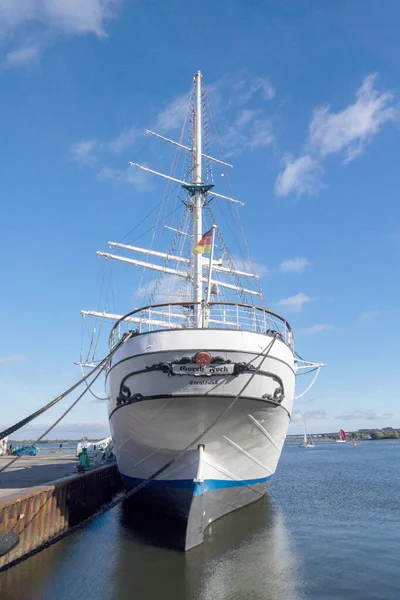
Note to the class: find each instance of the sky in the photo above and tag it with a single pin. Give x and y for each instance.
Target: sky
(306, 95)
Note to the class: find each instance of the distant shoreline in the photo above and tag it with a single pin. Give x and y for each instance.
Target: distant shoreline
(387, 433)
(329, 441)
(361, 435)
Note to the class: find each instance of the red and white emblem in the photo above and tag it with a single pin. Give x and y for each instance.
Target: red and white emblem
(203, 359)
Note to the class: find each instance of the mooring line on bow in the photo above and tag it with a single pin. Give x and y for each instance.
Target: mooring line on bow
(264, 354)
(100, 368)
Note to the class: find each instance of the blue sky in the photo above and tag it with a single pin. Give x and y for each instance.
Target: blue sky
(306, 98)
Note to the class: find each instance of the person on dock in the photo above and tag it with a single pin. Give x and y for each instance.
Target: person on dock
(84, 462)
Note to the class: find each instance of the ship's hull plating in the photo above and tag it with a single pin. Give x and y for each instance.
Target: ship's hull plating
(155, 413)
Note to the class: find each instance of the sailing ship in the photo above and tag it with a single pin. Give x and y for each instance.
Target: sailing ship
(307, 441)
(201, 394)
(342, 437)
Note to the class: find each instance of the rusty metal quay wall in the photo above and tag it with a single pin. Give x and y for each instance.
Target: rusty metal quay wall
(41, 513)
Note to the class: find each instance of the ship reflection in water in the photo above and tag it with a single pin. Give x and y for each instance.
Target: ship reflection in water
(247, 554)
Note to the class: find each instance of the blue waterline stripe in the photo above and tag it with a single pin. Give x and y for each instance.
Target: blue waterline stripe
(197, 488)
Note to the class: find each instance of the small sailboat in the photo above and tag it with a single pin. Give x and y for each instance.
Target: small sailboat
(354, 443)
(307, 442)
(342, 437)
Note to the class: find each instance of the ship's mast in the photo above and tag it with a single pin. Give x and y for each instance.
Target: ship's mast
(197, 203)
(197, 191)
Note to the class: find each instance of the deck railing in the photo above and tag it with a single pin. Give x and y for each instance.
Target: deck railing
(216, 315)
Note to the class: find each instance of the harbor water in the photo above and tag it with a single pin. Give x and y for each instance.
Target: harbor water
(327, 529)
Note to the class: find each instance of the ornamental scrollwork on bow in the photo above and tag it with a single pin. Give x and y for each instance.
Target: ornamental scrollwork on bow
(277, 396)
(125, 396)
(243, 367)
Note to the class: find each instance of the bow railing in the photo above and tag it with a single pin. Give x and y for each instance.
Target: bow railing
(216, 315)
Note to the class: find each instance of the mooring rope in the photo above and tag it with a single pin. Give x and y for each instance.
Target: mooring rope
(146, 482)
(100, 368)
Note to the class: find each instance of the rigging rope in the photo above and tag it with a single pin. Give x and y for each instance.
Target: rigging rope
(310, 386)
(236, 220)
(39, 439)
(49, 405)
(155, 240)
(146, 482)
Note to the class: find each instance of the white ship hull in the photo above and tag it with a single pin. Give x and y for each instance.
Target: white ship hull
(155, 414)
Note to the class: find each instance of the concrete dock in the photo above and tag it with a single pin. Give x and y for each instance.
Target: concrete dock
(43, 497)
(29, 471)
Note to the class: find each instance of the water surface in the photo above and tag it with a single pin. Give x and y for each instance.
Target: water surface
(329, 528)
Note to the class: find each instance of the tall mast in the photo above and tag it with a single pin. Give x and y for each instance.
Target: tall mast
(197, 203)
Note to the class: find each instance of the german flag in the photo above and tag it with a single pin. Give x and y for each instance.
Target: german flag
(204, 245)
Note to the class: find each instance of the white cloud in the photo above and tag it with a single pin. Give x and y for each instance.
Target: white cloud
(261, 134)
(310, 415)
(130, 175)
(260, 269)
(316, 329)
(245, 116)
(28, 53)
(83, 151)
(47, 18)
(294, 303)
(247, 88)
(69, 16)
(216, 91)
(316, 414)
(233, 141)
(244, 265)
(294, 265)
(367, 415)
(369, 315)
(13, 14)
(173, 115)
(247, 133)
(250, 129)
(124, 140)
(301, 177)
(12, 358)
(350, 129)
(165, 288)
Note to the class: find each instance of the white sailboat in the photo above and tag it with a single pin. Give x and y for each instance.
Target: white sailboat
(215, 368)
(307, 441)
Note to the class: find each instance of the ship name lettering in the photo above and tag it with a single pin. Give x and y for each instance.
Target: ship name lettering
(203, 370)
